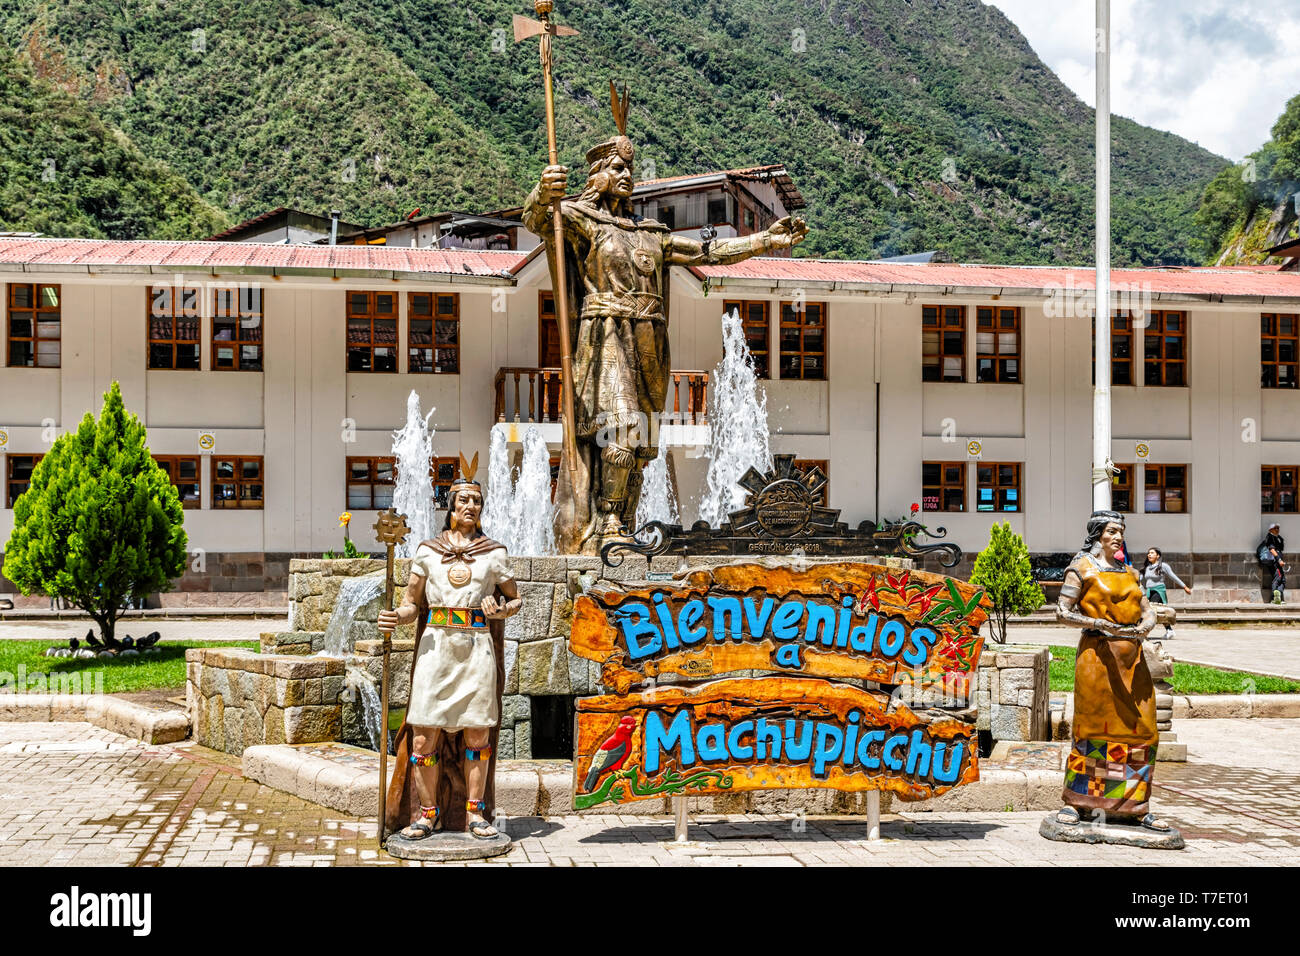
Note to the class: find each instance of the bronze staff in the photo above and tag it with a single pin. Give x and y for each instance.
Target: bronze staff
(525, 28)
(390, 530)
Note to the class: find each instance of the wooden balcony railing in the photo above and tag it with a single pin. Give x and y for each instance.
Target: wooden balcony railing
(535, 395)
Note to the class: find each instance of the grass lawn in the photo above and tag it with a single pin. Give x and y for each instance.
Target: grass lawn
(120, 674)
(1188, 678)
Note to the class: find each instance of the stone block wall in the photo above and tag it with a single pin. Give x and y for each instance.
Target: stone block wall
(239, 698)
(1012, 693)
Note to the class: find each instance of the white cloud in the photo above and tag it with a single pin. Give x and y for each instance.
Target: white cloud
(1217, 72)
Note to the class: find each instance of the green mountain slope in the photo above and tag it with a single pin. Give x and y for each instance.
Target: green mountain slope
(1249, 208)
(907, 125)
(64, 172)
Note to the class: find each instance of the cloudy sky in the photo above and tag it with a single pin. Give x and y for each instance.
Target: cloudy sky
(1217, 72)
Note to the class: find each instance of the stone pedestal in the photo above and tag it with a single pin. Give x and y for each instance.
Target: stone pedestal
(1161, 666)
(1121, 834)
(447, 847)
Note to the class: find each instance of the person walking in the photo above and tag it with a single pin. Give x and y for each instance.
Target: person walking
(1270, 552)
(1155, 576)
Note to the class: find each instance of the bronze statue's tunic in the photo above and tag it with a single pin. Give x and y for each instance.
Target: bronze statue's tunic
(618, 287)
(1111, 763)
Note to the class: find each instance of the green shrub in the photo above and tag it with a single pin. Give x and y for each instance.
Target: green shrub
(1003, 571)
(101, 522)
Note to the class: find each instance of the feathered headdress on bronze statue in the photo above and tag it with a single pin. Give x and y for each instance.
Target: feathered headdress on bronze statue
(599, 156)
(465, 482)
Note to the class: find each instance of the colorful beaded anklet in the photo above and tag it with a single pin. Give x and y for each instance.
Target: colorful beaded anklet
(424, 760)
(430, 813)
(476, 806)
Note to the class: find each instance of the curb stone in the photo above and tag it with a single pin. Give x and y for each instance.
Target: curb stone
(109, 713)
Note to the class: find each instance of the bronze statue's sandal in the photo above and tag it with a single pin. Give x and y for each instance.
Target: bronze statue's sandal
(479, 829)
(423, 827)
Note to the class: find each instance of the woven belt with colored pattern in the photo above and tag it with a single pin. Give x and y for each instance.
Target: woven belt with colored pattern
(466, 617)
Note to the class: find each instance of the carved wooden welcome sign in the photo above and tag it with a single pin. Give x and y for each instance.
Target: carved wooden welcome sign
(794, 728)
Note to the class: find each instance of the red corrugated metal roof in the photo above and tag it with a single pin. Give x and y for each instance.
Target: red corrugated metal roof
(1214, 281)
(108, 252)
(1261, 281)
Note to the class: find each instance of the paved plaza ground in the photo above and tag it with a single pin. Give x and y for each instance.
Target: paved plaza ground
(72, 794)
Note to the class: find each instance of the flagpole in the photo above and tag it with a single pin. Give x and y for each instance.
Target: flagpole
(1101, 419)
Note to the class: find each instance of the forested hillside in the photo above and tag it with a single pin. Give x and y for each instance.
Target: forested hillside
(1249, 208)
(907, 125)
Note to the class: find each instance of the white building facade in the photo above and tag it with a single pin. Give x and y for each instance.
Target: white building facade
(271, 379)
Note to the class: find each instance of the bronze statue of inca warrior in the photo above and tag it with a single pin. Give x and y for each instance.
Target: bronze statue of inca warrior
(616, 265)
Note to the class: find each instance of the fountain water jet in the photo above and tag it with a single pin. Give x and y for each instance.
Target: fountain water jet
(658, 502)
(738, 434)
(412, 495)
(518, 512)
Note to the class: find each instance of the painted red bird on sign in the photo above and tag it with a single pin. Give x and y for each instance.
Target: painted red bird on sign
(611, 754)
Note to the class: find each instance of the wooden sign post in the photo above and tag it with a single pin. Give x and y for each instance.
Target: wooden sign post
(913, 633)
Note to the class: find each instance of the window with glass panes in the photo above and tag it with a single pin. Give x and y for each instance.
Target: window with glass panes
(807, 464)
(433, 332)
(35, 325)
(174, 324)
(1121, 489)
(997, 344)
(754, 319)
(370, 483)
(1277, 489)
(444, 471)
(1165, 489)
(18, 475)
(183, 472)
(237, 482)
(997, 486)
(237, 330)
(1121, 349)
(943, 486)
(1279, 349)
(1164, 346)
(372, 331)
(943, 343)
(803, 340)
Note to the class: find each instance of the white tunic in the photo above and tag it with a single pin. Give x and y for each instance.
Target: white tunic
(455, 681)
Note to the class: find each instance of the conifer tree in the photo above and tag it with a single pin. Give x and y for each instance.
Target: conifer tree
(101, 522)
(1004, 572)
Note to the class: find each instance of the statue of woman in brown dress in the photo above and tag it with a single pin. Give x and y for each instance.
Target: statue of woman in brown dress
(1110, 766)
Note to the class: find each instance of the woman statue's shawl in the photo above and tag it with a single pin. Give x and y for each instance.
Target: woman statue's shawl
(403, 798)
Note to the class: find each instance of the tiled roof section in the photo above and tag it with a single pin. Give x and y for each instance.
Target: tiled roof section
(105, 253)
(248, 223)
(743, 171)
(1263, 281)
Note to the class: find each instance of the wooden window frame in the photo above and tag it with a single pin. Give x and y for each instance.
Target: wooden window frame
(1121, 331)
(799, 321)
(805, 464)
(433, 348)
(998, 486)
(171, 465)
(175, 315)
(1000, 375)
(762, 357)
(1268, 374)
(942, 315)
(372, 480)
(32, 314)
(1123, 481)
(370, 345)
(1161, 484)
(1156, 329)
(1270, 483)
(244, 339)
(253, 504)
(10, 498)
(441, 485)
(944, 486)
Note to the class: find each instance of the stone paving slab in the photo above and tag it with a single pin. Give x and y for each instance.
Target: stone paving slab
(72, 793)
